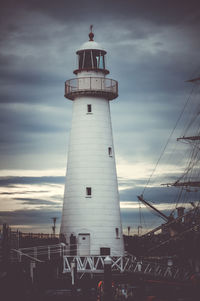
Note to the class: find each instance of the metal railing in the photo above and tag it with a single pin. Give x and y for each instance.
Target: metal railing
(95, 264)
(98, 86)
(40, 253)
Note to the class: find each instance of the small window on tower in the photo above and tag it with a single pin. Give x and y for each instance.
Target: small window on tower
(110, 151)
(89, 108)
(88, 191)
(117, 232)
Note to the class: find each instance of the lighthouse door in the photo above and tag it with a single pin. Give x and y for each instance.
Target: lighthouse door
(84, 244)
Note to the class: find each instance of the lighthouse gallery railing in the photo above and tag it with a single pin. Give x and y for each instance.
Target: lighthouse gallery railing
(95, 86)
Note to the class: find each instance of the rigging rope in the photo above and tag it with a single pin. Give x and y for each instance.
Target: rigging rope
(185, 105)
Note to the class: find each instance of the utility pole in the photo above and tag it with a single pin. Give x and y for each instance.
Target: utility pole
(54, 226)
(139, 227)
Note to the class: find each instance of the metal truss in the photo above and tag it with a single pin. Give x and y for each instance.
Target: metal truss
(123, 264)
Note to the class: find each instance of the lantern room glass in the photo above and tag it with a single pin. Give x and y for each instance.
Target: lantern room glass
(91, 59)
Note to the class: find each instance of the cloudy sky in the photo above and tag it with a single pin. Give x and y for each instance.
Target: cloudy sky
(152, 48)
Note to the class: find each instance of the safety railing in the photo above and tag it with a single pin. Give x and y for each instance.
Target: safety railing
(95, 86)
(40, 253)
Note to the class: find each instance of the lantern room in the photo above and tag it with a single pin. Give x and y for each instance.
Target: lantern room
(91, 57)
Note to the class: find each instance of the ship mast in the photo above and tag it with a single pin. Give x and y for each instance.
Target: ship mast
(191, 175)
(193, 140)
(162, 215)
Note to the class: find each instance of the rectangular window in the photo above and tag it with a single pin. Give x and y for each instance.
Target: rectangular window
(117, 232)
(83, 60)
(89, 108)
(101, 62)
(104, 251)
(87, 60)
(88, 191)
(92, 60)
(110, 151)
(80, 63)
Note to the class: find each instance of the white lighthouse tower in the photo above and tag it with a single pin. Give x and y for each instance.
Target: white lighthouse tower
(91, 223)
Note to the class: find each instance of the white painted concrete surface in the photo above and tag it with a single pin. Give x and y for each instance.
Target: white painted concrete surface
(97, 217)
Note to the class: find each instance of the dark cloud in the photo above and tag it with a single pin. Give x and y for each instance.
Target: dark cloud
(29, 217)
(31, 201)
(161, 13)
(156, 195)
(43, 218)
(7, 181)
(23, 192)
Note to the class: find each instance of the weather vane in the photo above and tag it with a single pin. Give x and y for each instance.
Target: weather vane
(91, 35)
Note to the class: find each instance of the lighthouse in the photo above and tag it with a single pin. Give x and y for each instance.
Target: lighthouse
(91, 222)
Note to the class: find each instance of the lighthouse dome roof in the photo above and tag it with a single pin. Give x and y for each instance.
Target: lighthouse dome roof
(91, 45)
